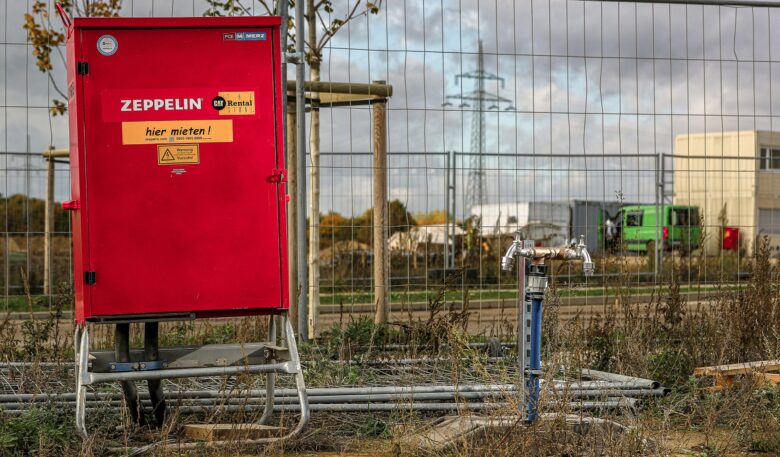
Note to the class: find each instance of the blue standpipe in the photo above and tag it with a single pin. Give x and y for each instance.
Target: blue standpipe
(537, 284)
(536, 358)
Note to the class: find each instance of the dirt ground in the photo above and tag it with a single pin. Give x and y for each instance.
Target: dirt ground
(678, 443)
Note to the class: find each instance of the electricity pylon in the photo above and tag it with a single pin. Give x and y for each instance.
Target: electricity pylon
(476, 186)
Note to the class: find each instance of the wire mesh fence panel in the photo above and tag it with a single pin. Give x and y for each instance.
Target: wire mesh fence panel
(646, 128)
(557, 119)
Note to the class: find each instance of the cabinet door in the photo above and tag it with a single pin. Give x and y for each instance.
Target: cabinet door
(183, 211)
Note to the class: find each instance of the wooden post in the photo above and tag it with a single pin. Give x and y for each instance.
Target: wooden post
(48, 227)
(292, 215)
(381, 261)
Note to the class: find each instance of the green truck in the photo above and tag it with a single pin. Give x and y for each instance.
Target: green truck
(637, 228)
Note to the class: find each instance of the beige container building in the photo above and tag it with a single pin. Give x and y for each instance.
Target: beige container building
(733, 177)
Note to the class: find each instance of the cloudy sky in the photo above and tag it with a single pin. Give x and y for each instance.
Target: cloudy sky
(606, 85)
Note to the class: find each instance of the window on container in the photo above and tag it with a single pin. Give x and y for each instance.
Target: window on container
(769, 159)
(634, 219)
(768, 220)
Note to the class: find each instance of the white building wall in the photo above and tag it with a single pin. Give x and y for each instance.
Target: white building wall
(719, 172)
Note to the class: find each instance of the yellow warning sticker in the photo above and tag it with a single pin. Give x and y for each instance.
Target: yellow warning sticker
(178, 154)
(237, 103)
(209, 131)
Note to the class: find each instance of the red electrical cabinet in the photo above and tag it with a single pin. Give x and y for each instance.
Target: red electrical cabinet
(176, 167)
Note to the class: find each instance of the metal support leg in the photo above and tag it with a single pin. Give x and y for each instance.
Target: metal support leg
(288, 337)
(81, 340)
(281, 328)
(270, 378)
(152, 354)
(300, 385)
(122, 354)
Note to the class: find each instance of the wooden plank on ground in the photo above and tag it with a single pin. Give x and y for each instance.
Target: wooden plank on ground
(220, 432)
(772, 378)
(738, 368)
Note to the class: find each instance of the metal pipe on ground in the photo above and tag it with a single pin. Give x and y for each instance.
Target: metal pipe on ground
(614, 377)
(376, 407)
(626, 389)
(585, 385)
(358, 399)
(582, 385)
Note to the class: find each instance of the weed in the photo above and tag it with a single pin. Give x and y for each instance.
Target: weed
(374, 427)
(769, 445)
(42, 431)
(355, 339)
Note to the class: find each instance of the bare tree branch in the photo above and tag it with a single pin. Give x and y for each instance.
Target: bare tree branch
(329, 33)
(268, 9)
(56, 88)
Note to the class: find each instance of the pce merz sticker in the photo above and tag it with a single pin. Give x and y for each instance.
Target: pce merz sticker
(107, 45)
(250, 36)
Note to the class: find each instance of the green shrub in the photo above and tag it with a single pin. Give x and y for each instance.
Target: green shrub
(671, 366)
(40, 431)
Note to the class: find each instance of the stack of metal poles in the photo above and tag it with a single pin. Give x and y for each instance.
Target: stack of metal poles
(599, 393)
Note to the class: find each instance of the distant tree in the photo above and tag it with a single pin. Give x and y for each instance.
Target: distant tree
(437, 216)
(19, 214)
(399, 220)
(362, 227)
(334, 228)
(47, 37)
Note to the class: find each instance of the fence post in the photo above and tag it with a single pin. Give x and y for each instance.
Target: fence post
(300, 162)
(446, 215)
(49, 227)
(381, 267)
(661, 195)
(292, 213)
(658, 245)
(454, 199)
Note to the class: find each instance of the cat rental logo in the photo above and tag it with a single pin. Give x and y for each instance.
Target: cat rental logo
(244, 36)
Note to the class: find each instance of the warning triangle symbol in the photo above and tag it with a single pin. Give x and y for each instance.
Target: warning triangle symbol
(167, 156)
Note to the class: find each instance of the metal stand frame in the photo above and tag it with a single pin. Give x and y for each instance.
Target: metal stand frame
(190, 362)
